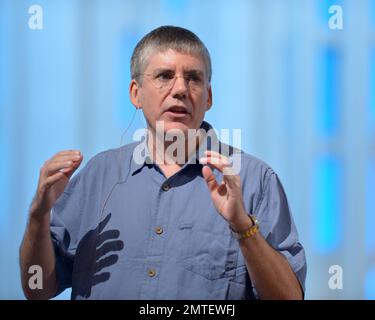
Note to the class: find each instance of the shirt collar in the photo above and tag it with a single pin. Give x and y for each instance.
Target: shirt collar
(141, 154)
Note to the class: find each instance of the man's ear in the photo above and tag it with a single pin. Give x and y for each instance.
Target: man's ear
(134, 94)
(209, 99)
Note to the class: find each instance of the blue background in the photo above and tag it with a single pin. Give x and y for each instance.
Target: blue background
(302, 94)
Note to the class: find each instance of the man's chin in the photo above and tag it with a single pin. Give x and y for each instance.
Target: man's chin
(176, 126)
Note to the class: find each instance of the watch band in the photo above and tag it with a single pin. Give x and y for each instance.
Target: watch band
(248, 232)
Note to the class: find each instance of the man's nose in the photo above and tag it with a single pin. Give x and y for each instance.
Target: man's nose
(179, 88)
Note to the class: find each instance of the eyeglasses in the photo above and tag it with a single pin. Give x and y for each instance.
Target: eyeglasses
(165, 79)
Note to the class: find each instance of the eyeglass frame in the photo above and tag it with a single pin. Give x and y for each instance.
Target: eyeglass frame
(173, 80)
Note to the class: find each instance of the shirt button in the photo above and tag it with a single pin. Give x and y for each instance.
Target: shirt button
(151, 273)
(159, 230)
(166, 187)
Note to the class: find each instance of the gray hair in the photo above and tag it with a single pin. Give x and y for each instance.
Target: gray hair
(162, 39)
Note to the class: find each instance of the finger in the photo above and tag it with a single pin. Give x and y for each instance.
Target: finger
(228, 172)
(217, 158)
(214, 155)
(106, 262)
(210, 178)
(67, 157)
(108, 247)
(216, 162)
(54, 167)
(220, 162)
(231, 179)
(69, 171)
(61, 162)
(52, 179)
(77, 162)
(67, 152)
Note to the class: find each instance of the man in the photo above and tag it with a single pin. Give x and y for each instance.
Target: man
(140, 223)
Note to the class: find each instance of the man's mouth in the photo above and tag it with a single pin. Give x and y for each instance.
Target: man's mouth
(177, 110)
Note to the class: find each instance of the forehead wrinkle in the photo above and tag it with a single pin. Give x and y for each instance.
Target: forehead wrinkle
(169, 62)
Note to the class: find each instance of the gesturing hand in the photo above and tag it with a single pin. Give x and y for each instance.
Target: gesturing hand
(53, 178)
(226, 196)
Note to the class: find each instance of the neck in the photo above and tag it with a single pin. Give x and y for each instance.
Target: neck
(175, 152)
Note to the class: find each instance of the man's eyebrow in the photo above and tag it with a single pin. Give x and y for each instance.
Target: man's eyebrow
(197, 71)
(163, 69)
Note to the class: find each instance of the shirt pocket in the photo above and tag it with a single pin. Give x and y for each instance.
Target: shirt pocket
(210, 255)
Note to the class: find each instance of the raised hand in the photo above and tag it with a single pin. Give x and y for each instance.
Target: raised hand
(53, 178)
(226, 196)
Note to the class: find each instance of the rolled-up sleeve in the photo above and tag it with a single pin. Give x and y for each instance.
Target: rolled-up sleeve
(64, 228)
(277, 225)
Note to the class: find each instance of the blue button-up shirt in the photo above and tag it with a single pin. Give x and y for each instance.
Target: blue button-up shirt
(122, 230)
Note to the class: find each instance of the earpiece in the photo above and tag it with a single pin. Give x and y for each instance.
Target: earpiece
(120, 176)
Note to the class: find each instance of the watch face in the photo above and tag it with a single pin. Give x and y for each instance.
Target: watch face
(253, 219)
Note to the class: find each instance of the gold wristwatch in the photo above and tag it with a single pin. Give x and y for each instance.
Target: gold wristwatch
(248, 232)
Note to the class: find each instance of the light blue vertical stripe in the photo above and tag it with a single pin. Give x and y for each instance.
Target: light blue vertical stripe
(6, 94)
(174, 6)
(288, 73)
(231, 76)
(327, 212)
(17, 173)
(370, 209)
(372, 87)
(328, 115)
(370, 284)
(123, 109)
(5, 111)
(52, 83)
